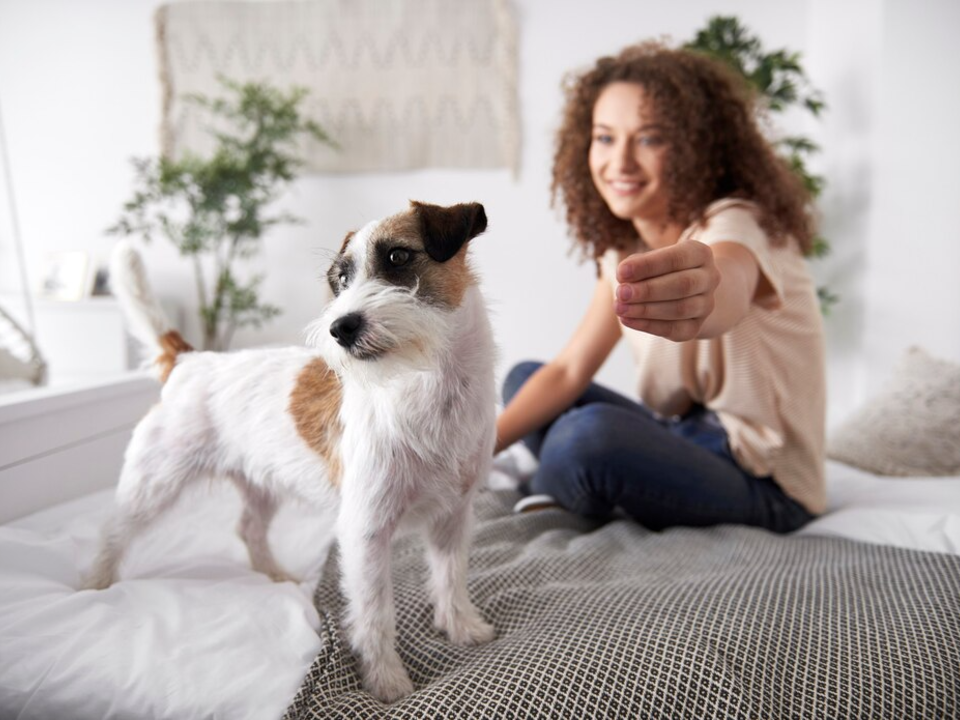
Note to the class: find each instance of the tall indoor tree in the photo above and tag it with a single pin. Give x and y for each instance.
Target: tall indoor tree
(217, 209)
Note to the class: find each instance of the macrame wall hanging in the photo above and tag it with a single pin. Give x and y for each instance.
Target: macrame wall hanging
(399, 84)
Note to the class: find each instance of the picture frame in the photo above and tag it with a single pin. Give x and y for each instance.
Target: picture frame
(65, 276)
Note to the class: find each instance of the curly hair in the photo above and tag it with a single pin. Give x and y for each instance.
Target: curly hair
(715, 149)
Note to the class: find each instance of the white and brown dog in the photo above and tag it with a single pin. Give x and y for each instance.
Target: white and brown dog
(389, 411)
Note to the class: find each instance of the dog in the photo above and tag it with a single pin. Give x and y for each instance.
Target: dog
(389, 411)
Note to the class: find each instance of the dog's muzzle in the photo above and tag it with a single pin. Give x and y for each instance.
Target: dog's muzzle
(346, 330)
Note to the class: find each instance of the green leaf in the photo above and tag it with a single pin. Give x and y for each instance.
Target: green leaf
(827, 300)
(821, 248)
(798, 145)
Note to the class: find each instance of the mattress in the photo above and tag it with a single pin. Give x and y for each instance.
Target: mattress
(192, 632)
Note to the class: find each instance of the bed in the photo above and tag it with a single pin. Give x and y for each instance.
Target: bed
(192, 632)
(856, 615)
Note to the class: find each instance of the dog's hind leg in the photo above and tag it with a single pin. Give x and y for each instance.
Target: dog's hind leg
(152, 478)
(448, 546)
(120, 529)
(259, 507)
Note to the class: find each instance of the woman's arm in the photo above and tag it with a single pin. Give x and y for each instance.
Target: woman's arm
(687, 291)
(739, 281)
(556, 385)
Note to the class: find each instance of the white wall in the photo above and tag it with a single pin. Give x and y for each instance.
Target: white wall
(912, 291)
(80, 95)
(843, 53)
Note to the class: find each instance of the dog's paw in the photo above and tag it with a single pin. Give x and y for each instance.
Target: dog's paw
(467, 629)
(98, 579)
(387, 684)
(282, 576)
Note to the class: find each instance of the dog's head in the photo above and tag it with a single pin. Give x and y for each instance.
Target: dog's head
(395, 284)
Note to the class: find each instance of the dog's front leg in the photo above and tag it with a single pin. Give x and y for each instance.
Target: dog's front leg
(365, 549)
(448, 549)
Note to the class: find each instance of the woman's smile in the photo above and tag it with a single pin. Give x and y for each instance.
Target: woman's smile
(626, 187)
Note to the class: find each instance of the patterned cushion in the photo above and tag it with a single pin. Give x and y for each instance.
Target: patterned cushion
(912, 427)
(616, 621)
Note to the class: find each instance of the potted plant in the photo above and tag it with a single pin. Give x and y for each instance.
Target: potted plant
(215, 210)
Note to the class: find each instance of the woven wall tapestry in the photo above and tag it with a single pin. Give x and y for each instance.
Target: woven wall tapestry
(399, 84)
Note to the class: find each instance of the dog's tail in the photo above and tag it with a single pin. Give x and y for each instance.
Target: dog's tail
(145, 318)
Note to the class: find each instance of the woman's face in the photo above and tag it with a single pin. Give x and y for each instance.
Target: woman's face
(627, 153)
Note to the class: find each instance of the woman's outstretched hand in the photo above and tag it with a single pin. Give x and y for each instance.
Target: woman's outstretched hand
(668, 291)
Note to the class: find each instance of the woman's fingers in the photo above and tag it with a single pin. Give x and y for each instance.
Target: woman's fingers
(664, 261)
(675, 286)
(667, 292)
(688, 308)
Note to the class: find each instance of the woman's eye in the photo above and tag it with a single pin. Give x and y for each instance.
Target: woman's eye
(650, 140)
(399, 256)
(603, 139)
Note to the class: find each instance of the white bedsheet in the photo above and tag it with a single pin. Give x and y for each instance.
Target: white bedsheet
(192, 632)
(916, 513)
(189, 632)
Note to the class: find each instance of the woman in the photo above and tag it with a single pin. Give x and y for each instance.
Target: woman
(698, 230)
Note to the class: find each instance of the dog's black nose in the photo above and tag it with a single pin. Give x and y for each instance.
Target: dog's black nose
(347, 328)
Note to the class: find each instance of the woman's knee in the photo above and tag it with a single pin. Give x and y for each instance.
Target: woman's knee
(573, 461)
(517, 376)
(586, 430)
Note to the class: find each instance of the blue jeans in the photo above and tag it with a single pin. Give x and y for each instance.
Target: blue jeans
(609, 452)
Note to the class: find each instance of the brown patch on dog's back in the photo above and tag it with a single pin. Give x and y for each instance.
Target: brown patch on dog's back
(172, 344)
(315, 407)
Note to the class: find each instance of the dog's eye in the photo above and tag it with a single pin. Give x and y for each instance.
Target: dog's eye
(399, 256)
(342, 278)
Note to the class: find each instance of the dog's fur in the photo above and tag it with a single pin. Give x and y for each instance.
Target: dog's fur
(390, 407)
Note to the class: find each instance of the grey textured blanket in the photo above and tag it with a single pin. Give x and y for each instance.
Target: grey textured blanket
(616, 621)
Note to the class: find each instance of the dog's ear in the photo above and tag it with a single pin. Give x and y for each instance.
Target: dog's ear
(446, 229)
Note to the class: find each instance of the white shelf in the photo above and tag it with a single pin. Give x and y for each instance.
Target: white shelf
(82, 341)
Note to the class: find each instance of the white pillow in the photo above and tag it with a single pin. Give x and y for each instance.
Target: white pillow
(912, 427)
